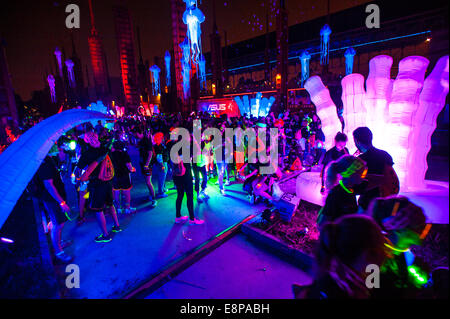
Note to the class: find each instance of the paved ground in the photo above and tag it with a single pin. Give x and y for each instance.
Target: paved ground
(237, 269)
(150, 239)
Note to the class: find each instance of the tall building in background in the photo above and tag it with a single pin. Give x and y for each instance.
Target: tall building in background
(143, 73)
(282, 56)
(125, 46)
(179, 29)
(7, 100)
(98, 60)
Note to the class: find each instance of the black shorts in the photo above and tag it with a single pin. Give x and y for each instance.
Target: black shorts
(54, 211)
(100, 195)
(122, 183)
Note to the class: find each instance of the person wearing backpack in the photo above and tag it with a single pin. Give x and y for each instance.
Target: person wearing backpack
(100, 173)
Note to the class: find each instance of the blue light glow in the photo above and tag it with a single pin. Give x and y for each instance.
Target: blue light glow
(155, 70)
(324, 44)
(304, 59)
(167, 59)
(202, 72)
(193, 17)
(349, 54)
(257, 107)
(51, 84)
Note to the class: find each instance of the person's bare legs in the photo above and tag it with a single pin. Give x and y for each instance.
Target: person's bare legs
(102, 222)
(148, 181)
(116, 198)
(127, 198)
(55, 235)
(112, 211)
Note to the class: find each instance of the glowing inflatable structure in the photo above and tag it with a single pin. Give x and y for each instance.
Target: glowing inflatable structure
(354, 112)
(379, 87)
(156, 88)
(304, 60)
(167, 59)
(193, 17)
(349, 54)
(257, 107)
(401, 113)
(51, 84)
(20, 161)
(70, 65)
(58, 56)
(324, 44)
(326, 109)
(185, 67)
(202, 72)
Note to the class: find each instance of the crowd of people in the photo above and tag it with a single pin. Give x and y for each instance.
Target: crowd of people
(363, 220)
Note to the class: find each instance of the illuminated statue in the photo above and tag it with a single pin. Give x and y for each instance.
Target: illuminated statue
(51, 84)
(167, 58)
(402, 111)
(155, 70)
(202, 72)
(324, 44)
(349, 54)
(58, 55)
(193, 17)
(69, 65)
(304, 59)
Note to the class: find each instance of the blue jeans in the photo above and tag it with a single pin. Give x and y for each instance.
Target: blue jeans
(222, 169)
(160, 172)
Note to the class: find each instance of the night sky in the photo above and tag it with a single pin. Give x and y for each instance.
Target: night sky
(32, 29)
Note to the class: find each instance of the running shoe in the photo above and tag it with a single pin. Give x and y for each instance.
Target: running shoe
(63, 257)
(116, 229)
(181, 219)
(196, 221)
(153, 203)
(103, 239)
(222, 191)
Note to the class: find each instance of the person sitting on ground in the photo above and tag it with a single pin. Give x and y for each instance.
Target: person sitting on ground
(346, 247)
(344, 179)
(333, 154)
(122, 180)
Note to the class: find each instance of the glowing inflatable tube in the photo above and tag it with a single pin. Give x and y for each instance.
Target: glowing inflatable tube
(20, 161)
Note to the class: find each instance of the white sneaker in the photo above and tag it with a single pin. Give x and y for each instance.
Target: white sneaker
(222, 191)
(227, 183)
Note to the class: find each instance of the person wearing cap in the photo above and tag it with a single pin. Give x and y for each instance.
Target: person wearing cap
(122, 180)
